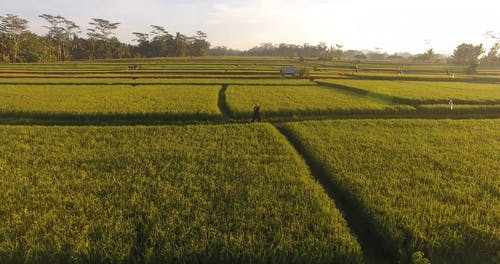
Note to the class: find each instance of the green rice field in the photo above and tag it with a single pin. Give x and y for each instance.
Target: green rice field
(304, 100)
(434, 187)
(120, 101)
(103, 164)
(236, 193)
(427, 92)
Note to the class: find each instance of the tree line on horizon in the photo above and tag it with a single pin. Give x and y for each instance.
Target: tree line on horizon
(62, 43)
(464, 54)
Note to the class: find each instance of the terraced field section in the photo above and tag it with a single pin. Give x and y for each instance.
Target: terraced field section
(246, 67)
(490, 77)
(109, 102)
(165, 67)
(152, 81)
(424, 92)
(302, 101)
(430, 185)
(227, 193)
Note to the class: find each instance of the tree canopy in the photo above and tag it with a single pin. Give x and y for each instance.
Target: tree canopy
(13, 30)
(62, 41)
(467, 54)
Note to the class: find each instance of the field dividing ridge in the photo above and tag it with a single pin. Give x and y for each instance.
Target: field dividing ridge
(372, 246)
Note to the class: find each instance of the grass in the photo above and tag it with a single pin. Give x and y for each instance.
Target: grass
(425, 92)
(434, 187)
(240, 193)
(299, 101)
(184, 102)
(233, 193)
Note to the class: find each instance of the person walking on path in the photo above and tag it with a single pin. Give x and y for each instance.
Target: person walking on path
(451, 104)
(256, 113)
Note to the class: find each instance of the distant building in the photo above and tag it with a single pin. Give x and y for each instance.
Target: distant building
(289, 71)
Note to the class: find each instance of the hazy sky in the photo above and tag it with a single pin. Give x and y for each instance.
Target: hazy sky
(392, 25)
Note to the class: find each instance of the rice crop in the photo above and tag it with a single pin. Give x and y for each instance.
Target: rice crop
(430, 185)
(297, 101)
(227, 193)
(425, 92)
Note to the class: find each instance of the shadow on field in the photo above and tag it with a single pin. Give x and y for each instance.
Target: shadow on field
(224, 109)
(402, 100)
(189, 119)
(226, 116)
(442, 78)
(56, 118)
(418, 113)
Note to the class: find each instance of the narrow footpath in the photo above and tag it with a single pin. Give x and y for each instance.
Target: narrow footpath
(370, 244)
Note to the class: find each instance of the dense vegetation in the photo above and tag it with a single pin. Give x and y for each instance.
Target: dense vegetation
(62, 42)
(433, 187)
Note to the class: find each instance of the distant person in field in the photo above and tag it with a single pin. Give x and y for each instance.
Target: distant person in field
(450, 103)
(256, 113)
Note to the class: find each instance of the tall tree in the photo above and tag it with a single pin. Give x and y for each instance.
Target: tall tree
(101, 34)
(13, 27)
(492, 57)
(198, 46)
(181, 45)
(60, 31)
(467, 54)
(162, 43)
(4, 48)
(337, 53)
(103, 29)
(429, 55)
(141, 37)
(143, 47)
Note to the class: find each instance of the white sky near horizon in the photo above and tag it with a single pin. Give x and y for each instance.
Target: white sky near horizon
(391, 25)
